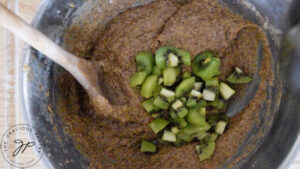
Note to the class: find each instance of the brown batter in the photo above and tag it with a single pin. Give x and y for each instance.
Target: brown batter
(196, 26)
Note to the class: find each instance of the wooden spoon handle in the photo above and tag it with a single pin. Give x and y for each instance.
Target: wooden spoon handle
(38, 40)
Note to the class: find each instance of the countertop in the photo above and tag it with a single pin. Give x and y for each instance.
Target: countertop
(11, 49)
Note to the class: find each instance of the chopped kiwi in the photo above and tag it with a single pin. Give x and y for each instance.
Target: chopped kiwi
(177, 105)
(209, 95)
(137, 79)
(238, 77)
(170, 56)
(158, 79)
(226, 91)
(185, 86)
(149, 86)
(196, 116)
(169, 136)
(167, 93)
(217, 104)
(156, 70)
(186, 75)
(195, 94)
(220, 127)
(206, 65)
(191, 102)
(145, 62)
(205, 151)
(170, 75)
(161, 103)
(198, 86)
(149, 106)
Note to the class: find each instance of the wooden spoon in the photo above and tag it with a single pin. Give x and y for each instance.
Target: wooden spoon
(85, 72)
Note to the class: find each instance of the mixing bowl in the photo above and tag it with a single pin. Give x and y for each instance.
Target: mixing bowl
(272, 142)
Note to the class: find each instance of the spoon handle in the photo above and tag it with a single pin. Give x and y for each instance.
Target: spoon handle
(38, 40)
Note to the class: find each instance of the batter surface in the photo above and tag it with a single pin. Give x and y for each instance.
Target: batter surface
(196, 26)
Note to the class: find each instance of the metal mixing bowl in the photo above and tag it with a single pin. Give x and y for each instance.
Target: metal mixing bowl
(276, 133)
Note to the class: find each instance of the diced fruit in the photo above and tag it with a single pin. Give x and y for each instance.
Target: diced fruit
(212, 120)
(177, 105)
(213, 82)
(156, 70)
(202, 103)
(172, 60)
(167, 93)
(182, 113)
(148, 147)
(169, 136)
(220, 127)
(206, 65)
(238, 70)
(191, 102)
(149, 86)
(137, 79)
(175, 129)
(172, 114)
(226, 91)
(209, 95)
(185, 86)
(158, 124)
(186, 75)
(201, 135)
(184, 55)
(171, 99)
(155, 115)
(196, 116)
(160, 81)
(196, 94)
(170, 75)
(183, 136)
(191, 129)
(160, 56)
(236, 78)
(217, 104)
(182, 122)
(145, 62)
(183, 100)
(149, 106)
(211, 137)
(169, 56)
(198, 86)
(207, 151)
(161, 103)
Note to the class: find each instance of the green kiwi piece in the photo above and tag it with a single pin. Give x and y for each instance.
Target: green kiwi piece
(156, 70)
(170, 75)
(206, 66)
(171, 56)
(145, 62)
(161, 103)
(161, 54)
(236, 78)
(184, 56)
(137, 79)
(149, 86)
(217, 104)
(186, 75)
(196, 116)
(185, 87)
(206, 151)
(149, 106)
